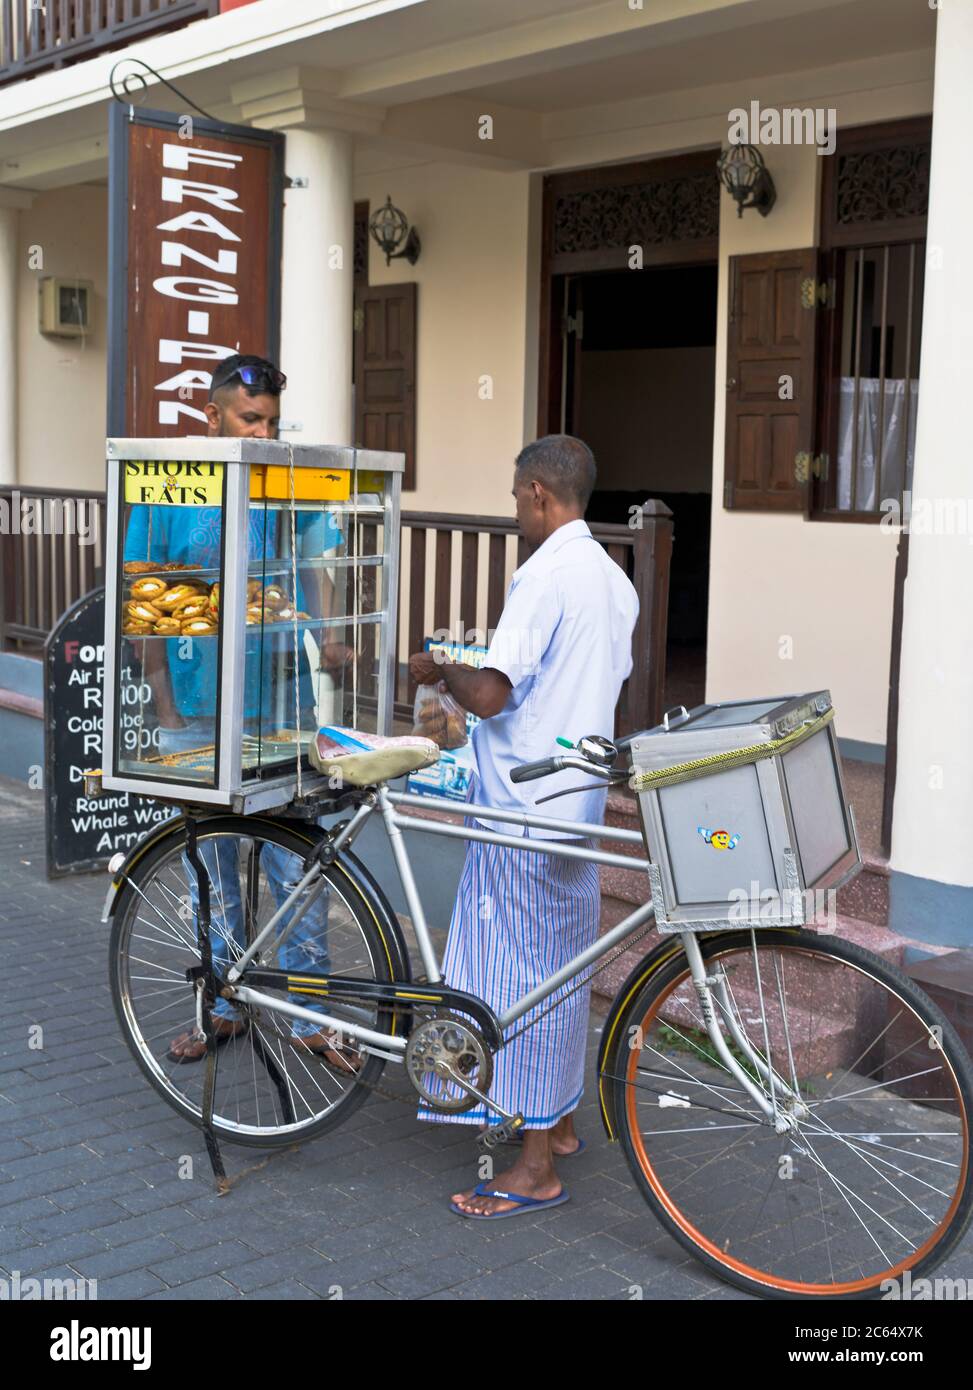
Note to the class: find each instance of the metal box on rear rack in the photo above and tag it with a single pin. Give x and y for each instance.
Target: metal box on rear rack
(744, 813)
(251, 590)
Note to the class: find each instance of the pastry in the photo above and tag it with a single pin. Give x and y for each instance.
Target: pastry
(455, 729)
(149, 588)
(275, 597)
(132, 628)
(168, 627)
(178, 595)
(142, 611)
(140, 566)
(214, 597)
(198, 627)
(174, 565)
(254, 590)
(196, 607)
(255, 614)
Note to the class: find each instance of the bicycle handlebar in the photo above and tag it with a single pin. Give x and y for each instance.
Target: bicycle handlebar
(529, 772)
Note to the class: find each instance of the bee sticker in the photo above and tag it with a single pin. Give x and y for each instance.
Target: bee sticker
(719, 839)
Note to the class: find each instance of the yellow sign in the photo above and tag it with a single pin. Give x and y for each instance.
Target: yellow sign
(307, 485)
(166, 482)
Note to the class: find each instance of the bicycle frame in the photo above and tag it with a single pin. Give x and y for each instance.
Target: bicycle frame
(393, 1047)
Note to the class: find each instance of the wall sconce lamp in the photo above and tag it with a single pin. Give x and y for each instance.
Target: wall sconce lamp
(389, 227)
(743, 173)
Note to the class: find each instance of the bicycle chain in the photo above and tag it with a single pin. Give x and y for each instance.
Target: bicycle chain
(627, 945)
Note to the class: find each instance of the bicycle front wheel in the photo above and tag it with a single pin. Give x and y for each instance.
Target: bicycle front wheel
(271, 1090)
(871, 1086)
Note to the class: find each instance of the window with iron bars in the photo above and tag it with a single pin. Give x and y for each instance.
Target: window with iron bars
(874, 202)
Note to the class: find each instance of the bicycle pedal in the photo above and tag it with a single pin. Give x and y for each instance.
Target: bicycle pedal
(502, 1133)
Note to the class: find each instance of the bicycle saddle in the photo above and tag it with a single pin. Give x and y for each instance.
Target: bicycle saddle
(361, 759)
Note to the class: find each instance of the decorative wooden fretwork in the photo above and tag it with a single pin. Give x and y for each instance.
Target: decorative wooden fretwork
(882, 185)
(638, 214)
(361, 243)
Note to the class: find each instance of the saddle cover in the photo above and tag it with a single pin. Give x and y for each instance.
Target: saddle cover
(361, 759)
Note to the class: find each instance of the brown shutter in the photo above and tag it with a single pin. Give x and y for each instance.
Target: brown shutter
(385, 371)
(770, 335)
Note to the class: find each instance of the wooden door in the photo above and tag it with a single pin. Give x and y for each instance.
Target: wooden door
(770, 397)
(385, 371)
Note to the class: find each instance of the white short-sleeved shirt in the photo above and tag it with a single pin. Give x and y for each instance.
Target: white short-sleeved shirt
(564, 641)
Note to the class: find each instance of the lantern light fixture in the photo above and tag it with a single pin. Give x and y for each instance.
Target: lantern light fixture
(390, 228)
(744, 174)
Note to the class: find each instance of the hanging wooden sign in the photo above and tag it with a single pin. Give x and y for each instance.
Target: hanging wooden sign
(194, 262)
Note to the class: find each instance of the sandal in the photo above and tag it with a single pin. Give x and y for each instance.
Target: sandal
(333, 1052)
(223, 1030)
(523, 1204)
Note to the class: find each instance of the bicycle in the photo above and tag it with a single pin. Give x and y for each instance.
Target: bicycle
(794, 1110)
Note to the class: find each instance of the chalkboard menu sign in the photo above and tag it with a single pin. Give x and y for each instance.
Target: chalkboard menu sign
(84, 832)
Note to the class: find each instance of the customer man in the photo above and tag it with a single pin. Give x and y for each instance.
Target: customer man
(554, 668)
(244, 403)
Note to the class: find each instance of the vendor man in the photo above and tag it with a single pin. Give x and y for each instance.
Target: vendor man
(244, 403)
(554, 668)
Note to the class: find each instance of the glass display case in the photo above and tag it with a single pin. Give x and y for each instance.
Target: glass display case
(250, 592)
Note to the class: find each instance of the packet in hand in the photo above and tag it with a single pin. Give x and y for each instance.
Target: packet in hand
(439, 717)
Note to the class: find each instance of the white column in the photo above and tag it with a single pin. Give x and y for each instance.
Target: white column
(932, 841)
(318, 271)
(317, 287)
(8, 342)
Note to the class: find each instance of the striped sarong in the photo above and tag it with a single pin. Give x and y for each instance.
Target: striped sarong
(519, 917)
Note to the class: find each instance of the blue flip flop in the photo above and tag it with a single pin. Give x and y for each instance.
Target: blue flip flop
(524, 1204)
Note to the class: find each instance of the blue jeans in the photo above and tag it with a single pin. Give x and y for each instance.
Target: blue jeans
(305, 951)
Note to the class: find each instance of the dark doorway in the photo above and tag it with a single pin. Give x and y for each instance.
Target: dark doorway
(638, 370)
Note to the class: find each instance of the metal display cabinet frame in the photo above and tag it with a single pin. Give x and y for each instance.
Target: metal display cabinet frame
(238, 455)
(678, 765)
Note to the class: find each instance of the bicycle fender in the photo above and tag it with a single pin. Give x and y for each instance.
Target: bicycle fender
(346, 863)
(374, 894)
(349, 863)
(611, 1040)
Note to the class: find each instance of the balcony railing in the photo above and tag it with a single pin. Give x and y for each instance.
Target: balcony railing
(37, 35)
(42, 574)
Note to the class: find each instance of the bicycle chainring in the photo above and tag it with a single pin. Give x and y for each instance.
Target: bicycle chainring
(439, 1046)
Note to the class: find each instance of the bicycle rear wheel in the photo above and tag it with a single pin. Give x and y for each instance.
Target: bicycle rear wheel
(873, 1177)
(270, 1091)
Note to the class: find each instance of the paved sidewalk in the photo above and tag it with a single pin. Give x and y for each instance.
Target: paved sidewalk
(90, 1159)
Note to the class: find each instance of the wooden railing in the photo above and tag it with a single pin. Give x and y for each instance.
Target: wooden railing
(45, 568)
(41, 34)
(643, 552)
(51, 554)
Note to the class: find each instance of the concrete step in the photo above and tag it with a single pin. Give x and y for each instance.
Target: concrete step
(866, 897)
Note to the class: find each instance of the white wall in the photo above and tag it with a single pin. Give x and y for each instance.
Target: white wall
(794, 605)
(472, 323)
(62, 381)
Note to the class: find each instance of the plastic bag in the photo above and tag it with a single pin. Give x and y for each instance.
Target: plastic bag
(438, 716)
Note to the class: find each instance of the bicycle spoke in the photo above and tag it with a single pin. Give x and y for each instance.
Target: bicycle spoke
(828, 1201)
(267, 1084)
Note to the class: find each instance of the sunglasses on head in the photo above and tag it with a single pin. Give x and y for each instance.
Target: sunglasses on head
(260, 378)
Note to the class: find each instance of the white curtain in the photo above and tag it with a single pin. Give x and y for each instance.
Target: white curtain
(898, 443)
